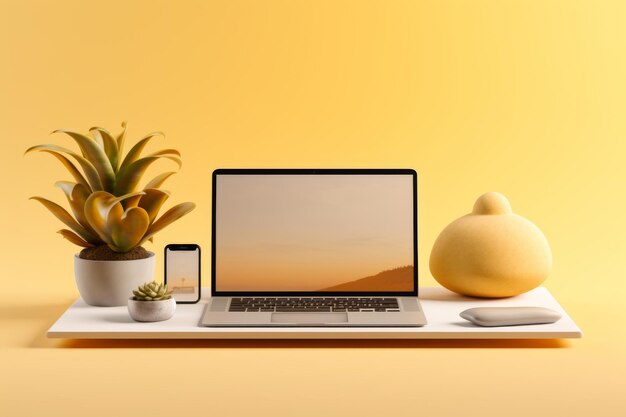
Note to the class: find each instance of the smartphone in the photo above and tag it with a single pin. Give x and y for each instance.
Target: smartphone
(182, 272)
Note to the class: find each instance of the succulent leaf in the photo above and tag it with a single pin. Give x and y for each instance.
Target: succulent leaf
(97, 211)
(129, 176)
(136, 150)
(96, 155)
(166, 152)
(103, 211)
(120, 144)
(76, 195)
(70, 167)
(131, 202)
(97, 137)
(152, 201)
(157, 181)
(74, 238)
(61, 214)
(168, 155)
(90, 171)
(109, 144)
(128, 231)
(167, 218)
(66, 187)
(152, 292)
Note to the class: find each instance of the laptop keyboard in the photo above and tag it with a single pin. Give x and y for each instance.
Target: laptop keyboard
(308, 304)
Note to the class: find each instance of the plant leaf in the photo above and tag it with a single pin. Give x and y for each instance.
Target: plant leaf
(109, 145)
(61, 214)
(171, 154)
(74, 238)
(77, 195)
(166, 152)
(129, 230)
(66, 187)
(131, 202)
(98, 138)
(157, 181)
(167, 218)
(96, 155)
(90, 171)
(78, 176)
(152, 201)
(135, 151)
(103, 211)
(129, 176)
(120, 144)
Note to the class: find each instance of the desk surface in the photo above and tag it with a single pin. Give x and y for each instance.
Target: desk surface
(441, 307)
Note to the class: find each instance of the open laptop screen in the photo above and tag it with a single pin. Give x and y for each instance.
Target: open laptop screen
(322, 231)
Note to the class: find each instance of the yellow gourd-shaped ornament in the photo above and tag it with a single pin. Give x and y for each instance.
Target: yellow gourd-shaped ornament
(491, 252)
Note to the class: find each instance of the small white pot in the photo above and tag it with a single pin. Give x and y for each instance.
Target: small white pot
(151, 310)
(109, 283)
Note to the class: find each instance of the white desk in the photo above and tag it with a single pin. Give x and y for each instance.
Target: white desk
(441, 307)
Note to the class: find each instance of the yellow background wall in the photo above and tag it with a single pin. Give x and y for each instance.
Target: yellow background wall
(523, 97)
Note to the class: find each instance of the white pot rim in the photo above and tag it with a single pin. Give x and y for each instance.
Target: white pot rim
(151, 255)
(149, 301)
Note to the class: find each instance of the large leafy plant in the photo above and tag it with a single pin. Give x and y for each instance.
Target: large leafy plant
(106, 205)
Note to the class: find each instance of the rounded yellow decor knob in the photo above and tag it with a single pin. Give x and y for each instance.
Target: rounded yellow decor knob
(491, 252)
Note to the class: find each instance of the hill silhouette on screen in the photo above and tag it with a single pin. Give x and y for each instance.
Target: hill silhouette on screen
(397, 279)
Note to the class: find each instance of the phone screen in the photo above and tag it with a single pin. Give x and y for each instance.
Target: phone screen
(182, 272)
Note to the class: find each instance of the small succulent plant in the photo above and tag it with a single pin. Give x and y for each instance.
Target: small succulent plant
(107, 206)
(152, 291)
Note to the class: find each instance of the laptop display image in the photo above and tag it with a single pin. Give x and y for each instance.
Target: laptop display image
(313, 234)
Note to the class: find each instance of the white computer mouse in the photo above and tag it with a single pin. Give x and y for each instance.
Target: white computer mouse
(510, 316)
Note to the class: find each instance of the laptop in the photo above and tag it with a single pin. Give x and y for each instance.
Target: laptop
(314, 247)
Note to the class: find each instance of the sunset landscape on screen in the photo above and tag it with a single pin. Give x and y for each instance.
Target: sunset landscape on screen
(314, 233)
(182, 273)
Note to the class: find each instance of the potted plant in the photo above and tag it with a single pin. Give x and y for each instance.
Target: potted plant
(151, 302)
(112, 217)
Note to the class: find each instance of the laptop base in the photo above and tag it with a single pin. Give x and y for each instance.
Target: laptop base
(216, 314)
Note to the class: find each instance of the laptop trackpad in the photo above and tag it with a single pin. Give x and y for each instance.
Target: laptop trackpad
(309, 318)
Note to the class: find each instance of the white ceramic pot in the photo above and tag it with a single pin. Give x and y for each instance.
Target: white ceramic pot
(151, 310)
(109, 283)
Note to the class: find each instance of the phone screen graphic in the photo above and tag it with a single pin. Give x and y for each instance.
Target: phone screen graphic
(182, 272)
